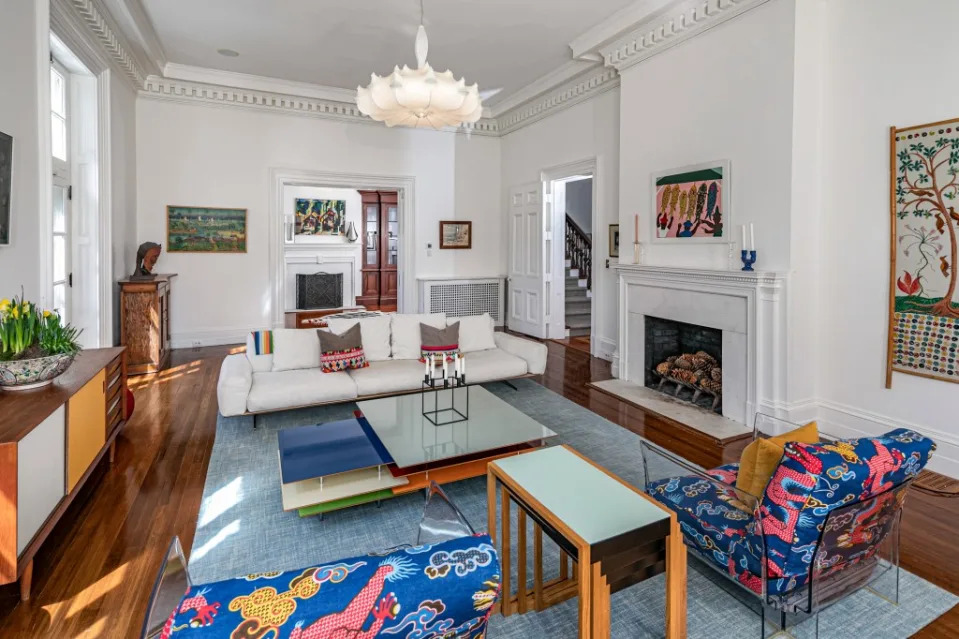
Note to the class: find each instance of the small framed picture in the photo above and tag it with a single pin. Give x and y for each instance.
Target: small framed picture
(456, 235)
(614, 240)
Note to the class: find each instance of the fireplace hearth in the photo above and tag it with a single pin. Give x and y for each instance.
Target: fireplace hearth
(685, 361)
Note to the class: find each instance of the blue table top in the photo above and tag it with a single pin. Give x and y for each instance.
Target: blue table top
(308, 452)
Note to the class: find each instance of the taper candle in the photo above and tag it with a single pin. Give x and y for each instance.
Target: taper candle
(744, 238)
(636, 227)
(752, 237)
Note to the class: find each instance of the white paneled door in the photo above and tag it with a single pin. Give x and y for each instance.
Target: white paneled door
(527, 281)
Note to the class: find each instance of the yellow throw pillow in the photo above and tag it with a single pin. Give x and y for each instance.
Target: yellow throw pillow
(760, 458)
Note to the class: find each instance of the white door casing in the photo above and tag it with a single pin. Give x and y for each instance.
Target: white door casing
(527, 279)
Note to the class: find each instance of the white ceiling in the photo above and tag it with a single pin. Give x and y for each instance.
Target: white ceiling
(500, 44)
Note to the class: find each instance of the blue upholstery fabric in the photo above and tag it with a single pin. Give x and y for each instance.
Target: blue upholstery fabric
(811, 481)
(426, 592)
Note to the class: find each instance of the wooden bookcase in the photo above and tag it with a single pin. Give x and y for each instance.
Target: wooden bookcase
(380, 250)
(51, 439)
(145, 323)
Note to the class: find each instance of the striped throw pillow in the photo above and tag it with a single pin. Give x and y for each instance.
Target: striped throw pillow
(263, 342)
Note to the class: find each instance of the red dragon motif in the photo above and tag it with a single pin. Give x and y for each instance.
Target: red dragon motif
(879, 464)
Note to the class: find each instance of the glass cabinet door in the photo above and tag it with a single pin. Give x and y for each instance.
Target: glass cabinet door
(393, 227)
(371, 248)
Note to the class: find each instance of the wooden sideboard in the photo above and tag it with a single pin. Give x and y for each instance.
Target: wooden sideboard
(314, 318)
(51, 439)
(145, 323)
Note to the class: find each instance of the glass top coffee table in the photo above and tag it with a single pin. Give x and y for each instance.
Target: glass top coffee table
(390, 448)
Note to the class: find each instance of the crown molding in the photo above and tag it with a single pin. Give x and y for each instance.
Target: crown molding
(548, 82)
(189, 92)
(94, 20)
(674, 23)
(586, 46)
(204, 75)
(135, 23)
(587, 85)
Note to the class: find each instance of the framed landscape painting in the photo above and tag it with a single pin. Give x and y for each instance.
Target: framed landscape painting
(320, 217)
(6, 187)
(200, 229)
(923, 300)
(691, 203)
(456, 235)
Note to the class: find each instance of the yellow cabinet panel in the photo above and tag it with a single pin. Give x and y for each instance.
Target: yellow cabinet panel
(86, 427)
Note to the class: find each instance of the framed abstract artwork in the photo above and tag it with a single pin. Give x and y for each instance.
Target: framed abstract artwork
(456, 235)
(203, 229)
(614, 240)
(320, 217)
(691, 204)
(923, 300)
(6, 186)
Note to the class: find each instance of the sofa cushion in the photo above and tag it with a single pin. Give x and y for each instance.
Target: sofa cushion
(814, 479)
(302, 387)
(476, 332)
(405, 331)
(448, 588)
(295, 348)
(483, 366)
(375, 331)
(259, 350)
(391, 376)
(341, 352)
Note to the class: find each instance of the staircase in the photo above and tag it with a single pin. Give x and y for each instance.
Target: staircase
(579, 260)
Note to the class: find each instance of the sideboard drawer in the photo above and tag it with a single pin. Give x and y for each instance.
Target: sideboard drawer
(86, 427)
(40, 476)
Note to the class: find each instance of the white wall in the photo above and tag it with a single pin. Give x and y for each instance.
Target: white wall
(208, 156)
(589, 129)
(20, 50)
(123, 195)
(880, 72)
(725, 94)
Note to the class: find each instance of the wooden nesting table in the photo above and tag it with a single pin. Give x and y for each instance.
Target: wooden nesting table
(614, 534)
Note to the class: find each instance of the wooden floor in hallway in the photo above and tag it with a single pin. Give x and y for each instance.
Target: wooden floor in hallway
(93, 576)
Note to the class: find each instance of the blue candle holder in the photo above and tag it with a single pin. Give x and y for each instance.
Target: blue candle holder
(749, 258)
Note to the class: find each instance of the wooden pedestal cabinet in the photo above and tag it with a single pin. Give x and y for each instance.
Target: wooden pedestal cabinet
(51, 439)
(381, 240)
(145, 323)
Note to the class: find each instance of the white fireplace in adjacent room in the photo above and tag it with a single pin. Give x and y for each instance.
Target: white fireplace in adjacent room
(746, 308)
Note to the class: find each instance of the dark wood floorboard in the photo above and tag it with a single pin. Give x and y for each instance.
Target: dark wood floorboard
(95, 572)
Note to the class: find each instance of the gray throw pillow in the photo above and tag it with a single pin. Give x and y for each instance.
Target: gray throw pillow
(341, 352)
(443, 342)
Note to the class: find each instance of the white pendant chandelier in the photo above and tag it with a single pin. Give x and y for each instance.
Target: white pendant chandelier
(420, 98)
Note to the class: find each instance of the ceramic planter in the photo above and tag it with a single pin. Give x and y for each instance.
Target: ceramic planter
(33, 373)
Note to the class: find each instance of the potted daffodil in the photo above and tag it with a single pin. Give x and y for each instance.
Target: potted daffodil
(35, 345)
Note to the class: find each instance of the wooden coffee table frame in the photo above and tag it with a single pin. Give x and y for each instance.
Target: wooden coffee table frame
(597, 570)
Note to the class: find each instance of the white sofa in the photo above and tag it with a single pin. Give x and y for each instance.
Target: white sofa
(291, 377)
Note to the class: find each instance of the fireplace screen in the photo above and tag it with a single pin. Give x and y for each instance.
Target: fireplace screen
(319, 290)
(685, 360)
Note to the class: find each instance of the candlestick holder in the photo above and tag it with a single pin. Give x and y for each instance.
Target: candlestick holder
(636, 252)
(436, 388)
(749, 258)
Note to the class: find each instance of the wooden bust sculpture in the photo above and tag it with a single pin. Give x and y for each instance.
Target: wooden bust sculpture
(147, 256)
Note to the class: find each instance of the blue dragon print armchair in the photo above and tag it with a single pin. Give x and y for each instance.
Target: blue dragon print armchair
(826, 525)
(442, 589)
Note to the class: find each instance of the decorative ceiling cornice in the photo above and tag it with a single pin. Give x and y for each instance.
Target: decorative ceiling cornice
(109, 38)
(668, 29)
(588, 85)
(184, 91)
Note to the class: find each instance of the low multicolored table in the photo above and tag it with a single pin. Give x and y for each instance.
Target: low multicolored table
(390, 448)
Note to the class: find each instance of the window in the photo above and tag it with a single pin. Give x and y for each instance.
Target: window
(58, 112)
(61, 226)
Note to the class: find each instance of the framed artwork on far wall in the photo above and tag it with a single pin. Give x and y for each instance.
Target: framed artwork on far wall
(614, 240)
(456, 235)
(691, 204)
(204, 229)
(320, 217)
(6, 186)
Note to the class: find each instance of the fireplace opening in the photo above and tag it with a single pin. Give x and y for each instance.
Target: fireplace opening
(319, 290)
(685, 361)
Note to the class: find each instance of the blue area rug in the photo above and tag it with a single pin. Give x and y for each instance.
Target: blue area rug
(242, 529)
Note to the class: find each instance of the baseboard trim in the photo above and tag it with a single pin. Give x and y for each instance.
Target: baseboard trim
(605, 349)
(216, 337)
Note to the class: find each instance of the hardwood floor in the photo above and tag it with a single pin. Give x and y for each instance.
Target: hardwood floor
(93, 576)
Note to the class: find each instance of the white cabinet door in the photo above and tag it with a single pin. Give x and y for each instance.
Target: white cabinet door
(527, 282)
(41, 483)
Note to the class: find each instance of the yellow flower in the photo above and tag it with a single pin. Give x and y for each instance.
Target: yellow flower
(15, 312)
(26, 307)
(47, 313)
(4, 304)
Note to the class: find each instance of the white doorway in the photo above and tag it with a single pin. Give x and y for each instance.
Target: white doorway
(528, 273)
(571, 208)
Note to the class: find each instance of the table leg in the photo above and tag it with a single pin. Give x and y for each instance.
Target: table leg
(521, 560)
(675, 582)
(504, 554)
(491, 506)
(563, 567)
(538, 566)
(585, 595)
(600, 597)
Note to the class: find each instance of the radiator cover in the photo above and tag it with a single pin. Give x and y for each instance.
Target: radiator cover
(463, 297)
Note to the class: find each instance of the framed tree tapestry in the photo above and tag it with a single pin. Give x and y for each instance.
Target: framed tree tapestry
(924, 302)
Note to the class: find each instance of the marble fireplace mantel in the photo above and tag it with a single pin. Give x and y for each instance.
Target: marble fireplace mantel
(749, 307)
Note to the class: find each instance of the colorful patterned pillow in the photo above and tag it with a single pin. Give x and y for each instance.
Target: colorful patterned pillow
(814, 479)
(262, 342)
(440, 342)
(341, 352)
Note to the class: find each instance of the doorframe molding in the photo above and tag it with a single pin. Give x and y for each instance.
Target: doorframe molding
(405, 185)
(586, 166)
